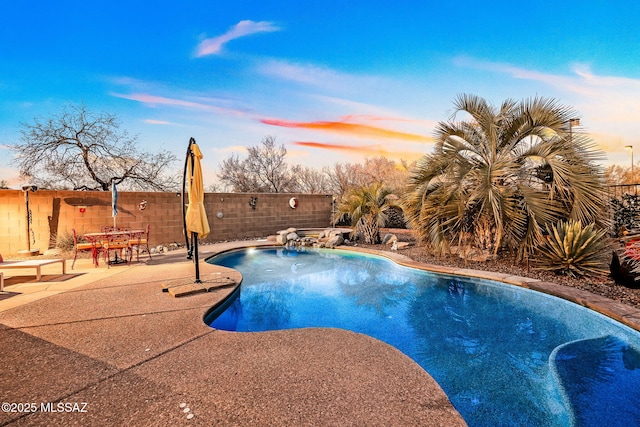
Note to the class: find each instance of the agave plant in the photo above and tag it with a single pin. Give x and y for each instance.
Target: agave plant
(575, 250)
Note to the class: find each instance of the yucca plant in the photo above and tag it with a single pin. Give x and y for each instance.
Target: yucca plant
(574, 250)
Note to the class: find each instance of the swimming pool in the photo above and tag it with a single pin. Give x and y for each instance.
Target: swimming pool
(503, 354)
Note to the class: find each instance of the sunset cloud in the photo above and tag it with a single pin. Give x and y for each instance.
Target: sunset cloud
(160, 122)
(352, 129)
(318, 76)
(608, 105)
(213, 46)
(160, 100)
(581, 82)
(362, 150)
(155, 100)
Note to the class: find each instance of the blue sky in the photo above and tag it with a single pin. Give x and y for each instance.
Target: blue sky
(333, 81)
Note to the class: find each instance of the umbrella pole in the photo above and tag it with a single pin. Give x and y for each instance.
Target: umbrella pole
(194, 245)
(184, 208)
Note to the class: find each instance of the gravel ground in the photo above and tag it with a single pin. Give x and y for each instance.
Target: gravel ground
(604, 286)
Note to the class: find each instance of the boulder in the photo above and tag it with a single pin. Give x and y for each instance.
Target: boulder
(389, 239)
(281, 238)
(334, 241)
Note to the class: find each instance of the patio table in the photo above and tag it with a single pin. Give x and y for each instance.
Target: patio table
(106, 238)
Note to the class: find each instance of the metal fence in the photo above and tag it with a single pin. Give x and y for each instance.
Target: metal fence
(617, 191)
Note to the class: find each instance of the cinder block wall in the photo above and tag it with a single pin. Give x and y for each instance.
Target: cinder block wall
(55, 213)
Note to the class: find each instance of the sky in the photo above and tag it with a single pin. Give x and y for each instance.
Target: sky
(332, 81)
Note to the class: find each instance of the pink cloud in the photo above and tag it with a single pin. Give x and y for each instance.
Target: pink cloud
(155, 100)
(212, 46)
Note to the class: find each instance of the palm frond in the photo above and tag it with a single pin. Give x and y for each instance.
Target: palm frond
(503, 173)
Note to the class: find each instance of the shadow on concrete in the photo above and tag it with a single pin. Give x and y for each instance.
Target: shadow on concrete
(166, 258)
(7, 294)
(15, 280)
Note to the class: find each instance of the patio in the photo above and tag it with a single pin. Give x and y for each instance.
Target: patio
(112, 339)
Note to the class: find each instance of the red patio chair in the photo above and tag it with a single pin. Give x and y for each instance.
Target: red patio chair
(94, 247)
(118, 243)
(141, 240)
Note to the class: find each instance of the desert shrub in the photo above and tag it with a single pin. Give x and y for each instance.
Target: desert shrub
(64, 241)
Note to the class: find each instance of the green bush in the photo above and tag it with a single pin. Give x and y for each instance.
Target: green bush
(574, 250)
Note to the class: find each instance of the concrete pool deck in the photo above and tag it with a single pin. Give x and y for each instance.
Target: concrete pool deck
(112, 339)
(135, 355)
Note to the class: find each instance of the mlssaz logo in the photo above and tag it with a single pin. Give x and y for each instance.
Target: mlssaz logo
(63, 407)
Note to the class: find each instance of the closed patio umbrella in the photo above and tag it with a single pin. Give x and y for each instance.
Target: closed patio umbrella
(196, 221)
(114, 203)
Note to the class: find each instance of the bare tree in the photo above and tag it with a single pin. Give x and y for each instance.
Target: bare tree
(619, 175)
(85, 151)
(343, 177)
(234, 176)
(309, 180)
(393, 175)
(263, 171)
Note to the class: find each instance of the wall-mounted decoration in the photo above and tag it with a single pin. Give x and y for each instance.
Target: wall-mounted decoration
(293, 203)
(253, 202)
(142, 205)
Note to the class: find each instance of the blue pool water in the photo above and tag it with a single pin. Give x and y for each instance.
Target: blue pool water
(505, 356)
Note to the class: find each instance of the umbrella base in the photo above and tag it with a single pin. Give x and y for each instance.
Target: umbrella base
(184, 287)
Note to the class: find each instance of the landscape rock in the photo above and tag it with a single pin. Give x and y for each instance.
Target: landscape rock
(334, 241)
(281, 239)
(389, 239)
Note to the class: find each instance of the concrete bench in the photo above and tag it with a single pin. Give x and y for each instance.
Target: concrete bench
(37, 264)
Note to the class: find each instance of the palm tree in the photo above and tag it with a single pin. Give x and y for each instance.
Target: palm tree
(367, 207)
(499, 178)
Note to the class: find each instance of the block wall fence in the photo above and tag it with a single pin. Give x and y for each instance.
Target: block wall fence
(231, 217)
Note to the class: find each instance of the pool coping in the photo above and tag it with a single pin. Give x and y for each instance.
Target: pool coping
(623, 313)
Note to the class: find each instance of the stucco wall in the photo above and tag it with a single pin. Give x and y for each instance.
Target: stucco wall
(55, 213)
